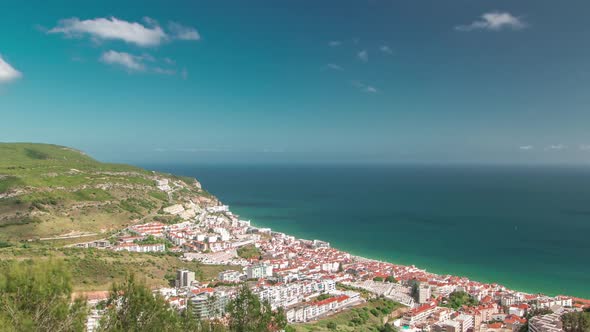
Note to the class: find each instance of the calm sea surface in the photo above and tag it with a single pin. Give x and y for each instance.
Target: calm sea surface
(525, 227)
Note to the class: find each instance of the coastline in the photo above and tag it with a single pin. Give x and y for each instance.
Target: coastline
(371, 258)
(308, 203)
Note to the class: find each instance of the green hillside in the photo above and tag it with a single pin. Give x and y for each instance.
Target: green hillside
(51, 191)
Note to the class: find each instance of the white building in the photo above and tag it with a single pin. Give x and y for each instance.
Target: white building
(229, 276)
(184, 278)
(258, 271)
(424, 293)
(134, 247)
(466, 322)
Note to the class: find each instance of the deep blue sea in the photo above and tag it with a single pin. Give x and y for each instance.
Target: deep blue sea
(525, 227)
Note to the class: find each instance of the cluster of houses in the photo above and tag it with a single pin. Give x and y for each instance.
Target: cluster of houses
(292, 273)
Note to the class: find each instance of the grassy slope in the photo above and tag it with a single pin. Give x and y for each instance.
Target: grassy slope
(49, 190)
(343, 319)
(94, 269)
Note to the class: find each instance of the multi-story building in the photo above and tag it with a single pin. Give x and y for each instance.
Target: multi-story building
(418, 314)
(284, 295)
(209, 303)
(465, 321)
(134, 247)
(184, 278)
(546, 323)
(305, 312)
(424, 293)
(258, 271)
(229, 276)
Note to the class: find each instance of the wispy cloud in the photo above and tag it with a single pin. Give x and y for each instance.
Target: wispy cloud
(128, 61)
(494, 21)
(179, 31)
(386, 49)
(164, 71)
(147, 34)
(584, 147)
(371, 89)
(334, 43)
(556, 147)
(364, 87)
(136, 63)
(526, 147)
(333, 66)
(363, 55)
(7, 72)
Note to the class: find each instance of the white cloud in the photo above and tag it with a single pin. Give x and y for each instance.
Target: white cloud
(7, 72)
(363, 55)
(137, 62)
(182, 32)
(494, 21)
(184, 73)
(364, 87)
(370, 89)
(556, 147)
(585, 147)
(164, 71)
(386, 49)
(334, 66)
(526, 147)
(129, 61)
(113, 28)
(334, 43)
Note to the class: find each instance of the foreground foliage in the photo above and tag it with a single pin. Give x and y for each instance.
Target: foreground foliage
(248, 314)
(36, 297)
(576, 322)
(459, 299)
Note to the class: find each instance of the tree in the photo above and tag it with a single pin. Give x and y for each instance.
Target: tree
(414, 285)
(132, 307)
(576, 322)
(458, 299)
(248, 314)
(379, 279)
(387, 328)
(36, 296)
(332, 326)
(391, 279)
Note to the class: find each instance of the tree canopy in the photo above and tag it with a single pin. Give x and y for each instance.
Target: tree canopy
(458, 299)
(576, 322)
(248, 314)
(36, 296)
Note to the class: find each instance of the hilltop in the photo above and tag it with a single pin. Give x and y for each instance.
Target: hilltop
(50, 191)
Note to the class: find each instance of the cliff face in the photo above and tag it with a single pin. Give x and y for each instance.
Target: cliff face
(52, 191)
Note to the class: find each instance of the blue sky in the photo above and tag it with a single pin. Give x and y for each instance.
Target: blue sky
(426, 81)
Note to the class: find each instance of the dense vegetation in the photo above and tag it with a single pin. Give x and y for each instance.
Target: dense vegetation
(94, 269)
(249, 251)
(576, 322)
(369, 316)
(49, 190)
(459, 299)
(36, 296)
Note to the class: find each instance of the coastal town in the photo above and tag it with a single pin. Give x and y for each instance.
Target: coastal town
(311, 280)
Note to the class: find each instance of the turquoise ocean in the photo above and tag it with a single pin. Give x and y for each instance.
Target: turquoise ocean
(527, 228)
